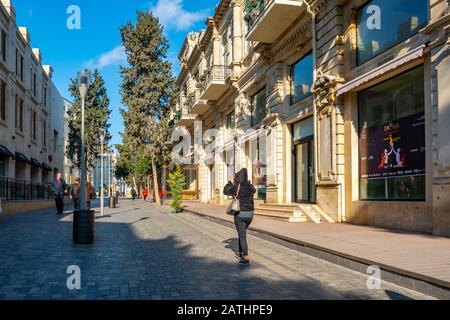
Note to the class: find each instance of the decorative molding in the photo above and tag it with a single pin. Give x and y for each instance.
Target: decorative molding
(324, 89)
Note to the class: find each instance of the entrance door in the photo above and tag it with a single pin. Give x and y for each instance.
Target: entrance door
(305, 186)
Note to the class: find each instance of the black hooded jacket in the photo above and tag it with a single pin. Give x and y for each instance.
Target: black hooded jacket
(246, 192)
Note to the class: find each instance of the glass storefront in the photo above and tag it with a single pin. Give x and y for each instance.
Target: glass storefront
(382, 24)
(392, 139)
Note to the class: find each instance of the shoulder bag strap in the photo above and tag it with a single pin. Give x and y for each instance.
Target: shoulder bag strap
(239, 189)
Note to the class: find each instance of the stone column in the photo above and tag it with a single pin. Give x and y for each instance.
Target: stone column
(237, 31)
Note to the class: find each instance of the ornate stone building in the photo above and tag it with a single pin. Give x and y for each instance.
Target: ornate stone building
(338, 109)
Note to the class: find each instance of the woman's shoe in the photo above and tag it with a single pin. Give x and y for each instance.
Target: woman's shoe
(245, 261)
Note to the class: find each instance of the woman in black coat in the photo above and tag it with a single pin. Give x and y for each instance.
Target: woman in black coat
(244, 191)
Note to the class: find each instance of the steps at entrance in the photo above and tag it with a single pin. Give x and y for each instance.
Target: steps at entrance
(290, 212)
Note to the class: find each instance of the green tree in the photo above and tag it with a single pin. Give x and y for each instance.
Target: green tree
(177, 183)
(97, 114)
(147, 90)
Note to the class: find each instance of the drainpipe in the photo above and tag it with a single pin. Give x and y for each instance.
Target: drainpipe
(314, 45)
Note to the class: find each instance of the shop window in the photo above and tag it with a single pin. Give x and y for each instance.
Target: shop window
(301, 79)
(392, 139)
(258, 107)
(383, 24)
(191, 179)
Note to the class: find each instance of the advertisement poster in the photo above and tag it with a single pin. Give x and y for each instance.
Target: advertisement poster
(393, 149)
(260, 178)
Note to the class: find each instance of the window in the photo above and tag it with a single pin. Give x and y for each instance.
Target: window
(258, 107)
(2, 100)
(191, 179)
(231, 120)
(383, 24)
(392, 139)
(17, 62)
(21, 68)
(55, 141)
(34, 85)
(33, 125)
(19, 113)
(44, 97)
(4, 45)
(302, 79)
(44, 133)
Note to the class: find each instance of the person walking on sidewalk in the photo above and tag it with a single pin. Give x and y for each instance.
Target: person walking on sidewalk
(59, 188)
(133, 194)
(244, 191)
(144, 194)
(75, 194)
(90, 194)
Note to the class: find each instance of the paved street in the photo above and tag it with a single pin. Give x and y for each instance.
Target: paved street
(144, 252)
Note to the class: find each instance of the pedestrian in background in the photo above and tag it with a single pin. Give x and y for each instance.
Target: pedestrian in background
(75, 194)
(60, 189)
(90, 194)
(161, 196)
(242, 190)
(133, 194)
(144, 194)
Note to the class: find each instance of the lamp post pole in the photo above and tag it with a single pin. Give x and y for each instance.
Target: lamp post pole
(83, 81)
(83, 220)
(102, 188)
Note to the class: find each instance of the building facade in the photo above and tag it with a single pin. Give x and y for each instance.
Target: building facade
(31, 113)
(339, 109)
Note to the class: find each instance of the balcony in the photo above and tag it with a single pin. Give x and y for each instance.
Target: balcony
(213, 82)
(196, 105)
(267, 20)
(185, 118)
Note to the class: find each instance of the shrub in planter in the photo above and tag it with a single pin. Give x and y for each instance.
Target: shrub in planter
(177, 183)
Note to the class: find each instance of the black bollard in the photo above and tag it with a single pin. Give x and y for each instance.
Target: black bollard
(83, 226)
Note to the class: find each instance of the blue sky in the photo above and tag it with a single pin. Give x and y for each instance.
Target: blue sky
(98, 41)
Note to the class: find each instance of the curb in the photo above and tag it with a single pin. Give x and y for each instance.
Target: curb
(411, 280)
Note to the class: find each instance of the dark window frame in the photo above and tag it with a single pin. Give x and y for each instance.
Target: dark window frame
(254, 105)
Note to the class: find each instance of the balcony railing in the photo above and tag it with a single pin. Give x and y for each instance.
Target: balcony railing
(253, 10)
(268, 19)
(12, 190)
(214, 82)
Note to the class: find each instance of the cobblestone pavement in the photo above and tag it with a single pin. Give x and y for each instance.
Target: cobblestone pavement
(143, 252)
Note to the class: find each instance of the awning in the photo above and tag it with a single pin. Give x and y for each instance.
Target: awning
(381, 70)
(35, 163)
(21, 157)
(46, 166)
(5, 151)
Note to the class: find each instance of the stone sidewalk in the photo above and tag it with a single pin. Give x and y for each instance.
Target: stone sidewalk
(419, 259)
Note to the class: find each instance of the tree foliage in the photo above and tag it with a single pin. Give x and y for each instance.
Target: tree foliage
(148, 87)
(177, 183)
(97, 114)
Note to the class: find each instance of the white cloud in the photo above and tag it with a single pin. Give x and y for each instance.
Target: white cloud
(172, 15)
(113, 57)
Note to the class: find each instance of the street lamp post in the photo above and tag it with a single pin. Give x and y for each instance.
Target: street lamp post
(83, 219)
(102, 188)
(83, 82)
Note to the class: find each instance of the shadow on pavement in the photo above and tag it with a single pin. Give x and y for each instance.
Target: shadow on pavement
(37, 249)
